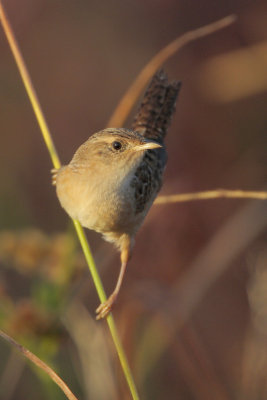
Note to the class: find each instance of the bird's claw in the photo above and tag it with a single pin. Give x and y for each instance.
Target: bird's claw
(54, 172)
(104, 308)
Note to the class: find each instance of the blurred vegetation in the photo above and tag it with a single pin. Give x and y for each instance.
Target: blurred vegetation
(38, 274)
(192, 310)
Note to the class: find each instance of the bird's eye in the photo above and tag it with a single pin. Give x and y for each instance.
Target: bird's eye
(116, 145)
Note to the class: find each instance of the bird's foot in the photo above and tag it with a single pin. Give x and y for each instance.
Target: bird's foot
(104, 308)
(54, 172)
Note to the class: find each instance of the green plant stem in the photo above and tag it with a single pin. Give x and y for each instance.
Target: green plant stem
(29, 87)
(110, 319)
(90, 260)
(56, 163)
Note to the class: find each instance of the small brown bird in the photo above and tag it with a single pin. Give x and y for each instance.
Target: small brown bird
(114, 177)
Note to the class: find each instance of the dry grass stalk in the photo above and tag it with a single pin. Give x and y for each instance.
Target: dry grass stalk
(39, 363)
(211, 194)
(130, 97)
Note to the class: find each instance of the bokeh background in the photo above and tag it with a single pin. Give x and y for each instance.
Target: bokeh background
(192, 310)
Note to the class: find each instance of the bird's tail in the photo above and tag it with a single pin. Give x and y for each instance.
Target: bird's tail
(157, 108)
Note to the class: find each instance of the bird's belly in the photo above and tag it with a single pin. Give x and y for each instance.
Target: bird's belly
(108, 212)
(105, 208)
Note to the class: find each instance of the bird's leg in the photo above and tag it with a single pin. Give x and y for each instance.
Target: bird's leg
(104, 308)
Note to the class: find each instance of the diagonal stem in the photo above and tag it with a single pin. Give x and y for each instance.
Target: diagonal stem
(56, 162)
(130, 97)
(39, 363)
(29, 87)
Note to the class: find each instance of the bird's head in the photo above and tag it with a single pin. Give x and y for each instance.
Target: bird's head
(114, 146)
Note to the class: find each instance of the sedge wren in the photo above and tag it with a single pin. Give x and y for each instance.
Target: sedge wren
(114, 177)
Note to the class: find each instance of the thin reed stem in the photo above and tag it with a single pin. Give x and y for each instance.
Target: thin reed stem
(211, 194)
(130, 97)
(109, 318)
(29, 87)
(40, 364)
(56, 163)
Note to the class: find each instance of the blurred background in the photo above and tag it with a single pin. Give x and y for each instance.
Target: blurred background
(192, 312)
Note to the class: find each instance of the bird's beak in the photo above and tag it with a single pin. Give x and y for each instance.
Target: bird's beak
(147, 146)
